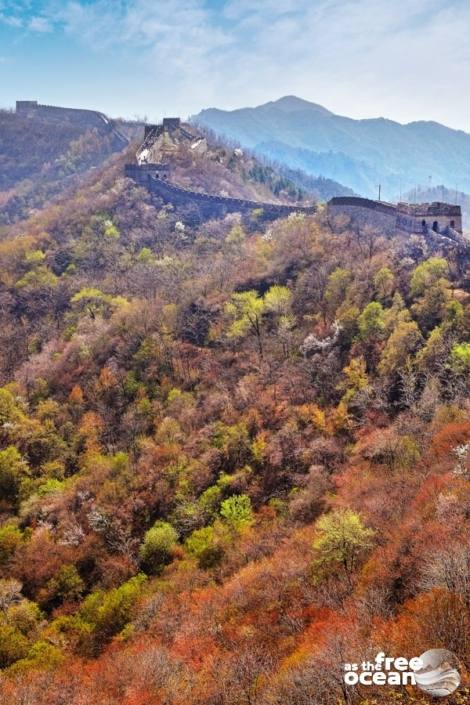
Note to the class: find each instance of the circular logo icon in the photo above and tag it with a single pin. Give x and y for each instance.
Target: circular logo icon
(438, 674)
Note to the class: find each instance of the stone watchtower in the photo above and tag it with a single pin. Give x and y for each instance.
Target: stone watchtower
(23, 107)
(419, 218)
(422, 217)
(171, 124)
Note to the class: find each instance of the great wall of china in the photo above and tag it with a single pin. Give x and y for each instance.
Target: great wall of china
(207, 205)
(155, 177)
(434, 219)
(88, 118)
(442, 220)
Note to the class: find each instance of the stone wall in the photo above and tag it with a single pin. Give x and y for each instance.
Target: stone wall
(87, 118)
(362, 212)
(217, 206)
(206, 205)
(388, 218)
(171, 123)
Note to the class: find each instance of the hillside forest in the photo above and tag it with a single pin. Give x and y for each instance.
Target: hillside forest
(233, 457)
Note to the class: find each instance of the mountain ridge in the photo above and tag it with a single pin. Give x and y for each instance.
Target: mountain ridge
(399, 156)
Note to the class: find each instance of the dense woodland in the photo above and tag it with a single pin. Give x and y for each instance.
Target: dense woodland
(232, 458)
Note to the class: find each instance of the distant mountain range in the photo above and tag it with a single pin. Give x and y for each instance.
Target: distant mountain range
(357, 153)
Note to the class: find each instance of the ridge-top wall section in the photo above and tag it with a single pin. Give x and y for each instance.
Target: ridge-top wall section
(207, 205)
(363, 212)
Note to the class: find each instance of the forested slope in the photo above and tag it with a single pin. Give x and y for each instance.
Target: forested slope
(40, 157)
(232, 458)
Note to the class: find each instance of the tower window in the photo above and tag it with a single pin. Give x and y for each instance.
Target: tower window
(435, 226)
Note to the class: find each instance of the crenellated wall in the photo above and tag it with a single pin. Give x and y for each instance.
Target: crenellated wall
(207, 205)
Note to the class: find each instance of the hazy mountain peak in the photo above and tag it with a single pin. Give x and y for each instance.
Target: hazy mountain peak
(292, 104)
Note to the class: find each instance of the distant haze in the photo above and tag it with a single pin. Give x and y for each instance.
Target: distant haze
(360, 154)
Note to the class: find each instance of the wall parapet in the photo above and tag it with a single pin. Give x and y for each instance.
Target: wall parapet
(359, 202)
(146, 175)
(422, 210)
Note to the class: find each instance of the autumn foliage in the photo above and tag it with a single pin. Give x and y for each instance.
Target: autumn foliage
(232, 457)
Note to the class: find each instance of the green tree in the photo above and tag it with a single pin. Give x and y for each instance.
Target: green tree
(207, 546)
(357, 380)
(66, 585)
(90, 300)
(209, 501)
(94, 302)
(246, 311)
(371, 322)
(233, 441)
(13, 471)
(278, 299)
(403, 342)
(460, 358)
(432, 306)
(427, 274)
(24, 616)
(157, 546)
(434, 352)
(41, 656)
(110, 230)
(109, 612)
(341, 538)
(11, 411)
(384, 282)
(13, 645)
(40, 278)
(336, 287)
(10, 538)
(236, 236)
(33, 258)
(236, 511)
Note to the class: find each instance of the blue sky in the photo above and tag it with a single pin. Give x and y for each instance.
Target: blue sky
(406, 60)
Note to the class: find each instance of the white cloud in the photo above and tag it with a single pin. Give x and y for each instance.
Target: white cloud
(10, 20)
(18, 14)
(359, 57)
(39, 24)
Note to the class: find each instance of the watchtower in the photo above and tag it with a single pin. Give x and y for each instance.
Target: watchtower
(26, 106)
(171, 124)
(422, 217)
